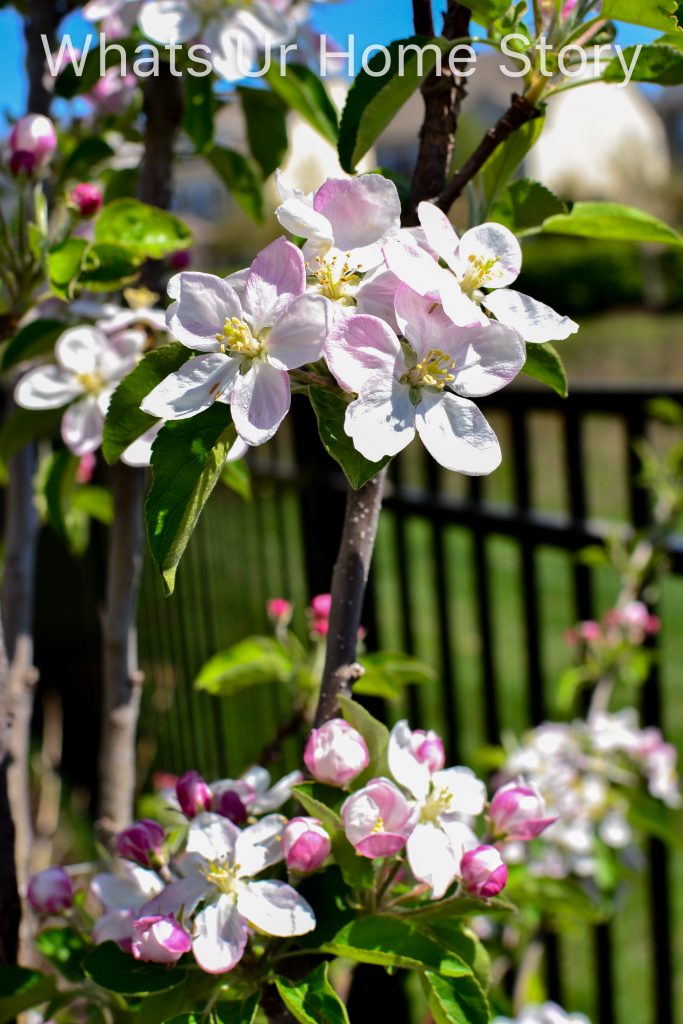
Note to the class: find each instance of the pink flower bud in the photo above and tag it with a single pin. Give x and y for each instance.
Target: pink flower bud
(50, 891)
(320, 627)
(22, 163)
(483, 872)
(229, 805)
(164, 781)
(194, 796)
(321, 605)
(141, 842)
(305, 844)
(279, 610)
(160, 939)
(180, 260)
(590, 631)
(86, 468)
(428, 749)
(336, 753)
(34, 134)
(378, 819)
(87, 199)
(517, 811)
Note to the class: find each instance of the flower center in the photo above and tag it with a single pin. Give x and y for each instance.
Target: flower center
(378, 826)
(223, 877)
(432, 372)
(92, 383)
(238, 339)
(140, 298)
(436, 804)
(336, 280)
(479, 272)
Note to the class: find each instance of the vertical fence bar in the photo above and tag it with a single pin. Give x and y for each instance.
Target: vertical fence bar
(404, 581)
(483, 602)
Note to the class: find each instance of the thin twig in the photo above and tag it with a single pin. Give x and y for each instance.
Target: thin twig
(423, 19)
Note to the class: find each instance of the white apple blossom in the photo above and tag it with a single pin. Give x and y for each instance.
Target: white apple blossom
(478, 268)
(423, 384)
(219, 870)
(122, 895)
(251, 330)
(545, 1013)
(255, 791)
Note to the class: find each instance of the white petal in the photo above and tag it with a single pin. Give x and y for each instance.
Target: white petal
(415, 267)
(220, 936)
(275, 908)
(458, 307)
(486, 358)
(493, 242)
(79, 349)
(535, 321)
(82, 426)
(46, 387)
(432, 858)
(114, 926)
(139, 453)
(457, 435)
(204, 302)
(212, 837)
(376, 295)
(276, 277)
(121, 319)
(237, 281)
(121, 354)
(278, 795)
(194, 387)
(234, 51)
(360, 346)
(439, 233)
(184, 895)
(364, 213)
(403, 764)
(120, 893)
(260, 845)
(259, 402)
(460, 836)
(382, 419)
(468, 793)
(299, 335)
(296, 215)
(421, 321)
(168, 21)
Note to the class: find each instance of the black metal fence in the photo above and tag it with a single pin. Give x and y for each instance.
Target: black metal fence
(478, 577)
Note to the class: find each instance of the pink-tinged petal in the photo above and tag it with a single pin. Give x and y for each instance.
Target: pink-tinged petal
(82, 426)
(139, 453)
(168, 21)
(277, 276)
(363, 212)
(492, 242)
(422, 321)
(275, 908)
(486, 358)
(456, 434)
(415, 267)
(383, 844)
(238, 450)
(404, 765)
(220, 937)
(535, 321)
(358, 347)
(203, 304)
(115, 319)
(259, 402)
(212, 837)
(194, 387)
(121, 354)
(183, 896)
(381, 421)
(458, 307)
(115, 926)
(79, 349)
(375, 296)
(238, 281)
(299, 335)
(432, 858)
(260, 845)
(439, 233)
(231, 48)
(46, 387)
(296, 214)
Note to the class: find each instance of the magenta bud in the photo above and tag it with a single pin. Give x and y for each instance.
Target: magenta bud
(160, 939)
(517, 811)
(34, 134)
(180, 260)
(142, 843)
(229, 805)
(279, 610)
(483, 872)
(429, 749)
(50, 891)
(86, 199)
(305, 844)
(21, 163)
(194, 796)
(336, 753)
(378, 819)
(321, 605)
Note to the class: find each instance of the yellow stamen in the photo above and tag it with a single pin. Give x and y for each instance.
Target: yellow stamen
(378, 826)
(140, 298)
(479, 273)
(334, 280)
(436, 804)
(91, 382)
(433, 371)
(238, 339)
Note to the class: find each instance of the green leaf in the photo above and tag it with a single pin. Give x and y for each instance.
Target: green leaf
(460, 1001)
(35, 339)
(107, 267)
(94, 502)
(543, 363)
(20, 989)
(502, 164)
(266, 121)
(489, 9)
(59, 486)
(375, 734)
(317, 800)
(64, 948)
(117, 971)
(312, 1000)
(199, 109)
(374, 100)
(25, 425)
(454, 935)
(656, 63)
(234, 1012)
(149, 232)
(525, 204)
(654, 818)
(394, 942)
(237, 478)
(187, 459)
(64, 262)
(330, 410)
(84, 157)
(125, 420)
(385, 673)
(659, 14)
(251, 662)
(612, 221)
(302, 90)
(307, 793)
(239, 178)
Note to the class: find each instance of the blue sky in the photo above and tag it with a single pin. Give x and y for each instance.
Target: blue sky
(371, 21)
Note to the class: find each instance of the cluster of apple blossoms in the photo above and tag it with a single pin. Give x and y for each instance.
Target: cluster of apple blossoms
(545, 1013)
(409, 325)
(587, 772)
(211, 882)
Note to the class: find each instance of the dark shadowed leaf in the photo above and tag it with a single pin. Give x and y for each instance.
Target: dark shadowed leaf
(35, 339)
(330, 410)
(312, 1000)
(543, 363)
(265, 117)
(240, 179)
(302, 90)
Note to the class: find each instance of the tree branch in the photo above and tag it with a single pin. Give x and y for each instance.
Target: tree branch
(10, 906)
(520, 112)
(423, 19)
